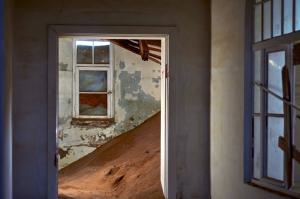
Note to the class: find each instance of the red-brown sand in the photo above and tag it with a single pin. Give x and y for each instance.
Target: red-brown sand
(128, 167)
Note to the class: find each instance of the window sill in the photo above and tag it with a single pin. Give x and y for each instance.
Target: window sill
(274, 189)
(93, 122)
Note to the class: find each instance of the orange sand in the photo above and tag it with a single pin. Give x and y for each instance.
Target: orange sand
(128, 167)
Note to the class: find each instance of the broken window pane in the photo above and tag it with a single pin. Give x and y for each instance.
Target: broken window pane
(277, 18)
(276, 61)
(84, 52)
(93, 104)
(92, 81)
(101, 52)
(275, 156)
(267, 20)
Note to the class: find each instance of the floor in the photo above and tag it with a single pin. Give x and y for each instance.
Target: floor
(127, 167)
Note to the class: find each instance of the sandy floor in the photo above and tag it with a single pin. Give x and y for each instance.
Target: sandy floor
(127, 167)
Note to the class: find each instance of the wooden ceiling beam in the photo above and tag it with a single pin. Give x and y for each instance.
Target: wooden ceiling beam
(155, 56)
(154, 43)
(155, 60)
(126, 44)
(154, 49)
(144, 50)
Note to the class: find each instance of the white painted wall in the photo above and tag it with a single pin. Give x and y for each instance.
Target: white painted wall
(137, 97)
(227, 104)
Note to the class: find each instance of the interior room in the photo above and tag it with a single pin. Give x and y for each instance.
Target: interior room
(109, 102)
(161, 99)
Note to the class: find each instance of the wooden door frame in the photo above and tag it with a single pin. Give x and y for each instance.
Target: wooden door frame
(170, 33)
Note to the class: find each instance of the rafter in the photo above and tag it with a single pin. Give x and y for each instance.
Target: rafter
(140, 47)
(144, 50)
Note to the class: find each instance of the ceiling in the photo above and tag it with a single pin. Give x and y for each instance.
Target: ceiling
(149, 50)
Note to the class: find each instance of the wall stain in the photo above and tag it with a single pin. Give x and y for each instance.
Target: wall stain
(122, 65)
(141, 105)
(63, 153)
(63, 66)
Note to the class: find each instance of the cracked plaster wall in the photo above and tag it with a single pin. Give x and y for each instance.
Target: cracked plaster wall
(137, 97)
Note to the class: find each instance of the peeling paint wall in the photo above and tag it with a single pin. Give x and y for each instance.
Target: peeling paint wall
(136, 98)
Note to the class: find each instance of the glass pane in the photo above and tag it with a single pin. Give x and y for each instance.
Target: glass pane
(257, 95)
(297, 20)
(276, 61)
(267, 20)
(275, 162)
(288, 16)
(101, 52)
(258, 151)
(84, 52)
(92, 81)
(257, 78)
(93, 104)
(258, 21)
(276, 18)
(257, 66)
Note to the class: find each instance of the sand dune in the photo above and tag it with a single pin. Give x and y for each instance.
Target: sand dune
(128, 167)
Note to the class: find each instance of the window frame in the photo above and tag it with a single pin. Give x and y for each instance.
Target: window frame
(282, 41)
(109, 67)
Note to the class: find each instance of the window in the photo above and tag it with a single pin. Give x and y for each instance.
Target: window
(274, 158)
(93, 96)
(273, 18)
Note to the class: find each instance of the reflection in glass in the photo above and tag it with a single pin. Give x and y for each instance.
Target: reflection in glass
(92, 81)
(84, 52)
(93, 104)
(101, 54)
(258, 23)
(267, 20)
(276, 18)
(288, 16)
(297, 20)
(275, 156)
(276, 61)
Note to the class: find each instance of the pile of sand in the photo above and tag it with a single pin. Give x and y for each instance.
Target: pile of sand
(128, 167)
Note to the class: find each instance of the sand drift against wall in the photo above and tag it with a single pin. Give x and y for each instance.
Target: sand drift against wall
(128, 167)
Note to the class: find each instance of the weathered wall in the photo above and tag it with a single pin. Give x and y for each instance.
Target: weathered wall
(136, 98)
(227, 103)
(189, 82)
(6, 56)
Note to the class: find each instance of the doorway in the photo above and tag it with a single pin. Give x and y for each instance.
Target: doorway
(164, 97)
